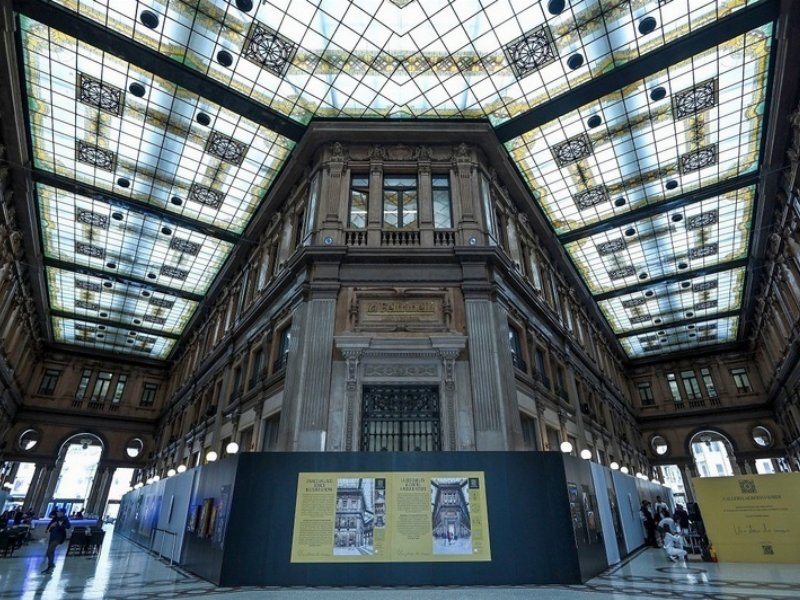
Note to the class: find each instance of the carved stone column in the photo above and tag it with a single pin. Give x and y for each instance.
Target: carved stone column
(96, 503)
(33, 488)
(375, 204)
(308, 376)
(497, 423)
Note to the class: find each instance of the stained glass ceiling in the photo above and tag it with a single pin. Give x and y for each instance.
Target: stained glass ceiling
(158, 127)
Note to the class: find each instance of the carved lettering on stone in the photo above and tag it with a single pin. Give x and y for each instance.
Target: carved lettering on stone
(411, 371)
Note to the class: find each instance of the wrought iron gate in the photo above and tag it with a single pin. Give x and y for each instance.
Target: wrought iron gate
(400, 418)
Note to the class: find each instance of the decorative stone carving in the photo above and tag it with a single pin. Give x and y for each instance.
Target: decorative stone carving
(399, 309)
(401, 371)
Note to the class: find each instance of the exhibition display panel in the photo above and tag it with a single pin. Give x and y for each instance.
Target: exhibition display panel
(467, 518)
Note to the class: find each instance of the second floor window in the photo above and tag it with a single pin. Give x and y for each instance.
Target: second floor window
(442, 209)
(516, 348)
(672, 381)
(49, 381)
(691, 385)
(359, 192)
(400, 202)
(149, 394)
(80, 393)
(283, 349)
(101, 385)
(708, 382)
(120, 389)
(741, 380)
(646, 394)
(258, 365)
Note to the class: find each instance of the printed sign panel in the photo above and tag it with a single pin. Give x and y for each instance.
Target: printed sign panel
(390, 517)
(752, 518)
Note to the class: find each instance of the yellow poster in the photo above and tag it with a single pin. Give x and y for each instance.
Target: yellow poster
(752, 518)
(390, 517)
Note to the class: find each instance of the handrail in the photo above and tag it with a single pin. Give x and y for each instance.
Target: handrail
(161, 548)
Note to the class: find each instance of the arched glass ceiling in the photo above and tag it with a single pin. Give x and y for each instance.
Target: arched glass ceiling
(368, 58)
(645, 159)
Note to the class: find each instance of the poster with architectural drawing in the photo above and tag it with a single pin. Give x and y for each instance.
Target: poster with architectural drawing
(390, 517)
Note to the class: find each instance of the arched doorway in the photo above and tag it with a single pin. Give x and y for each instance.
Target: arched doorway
(78, 460)
(712, 454)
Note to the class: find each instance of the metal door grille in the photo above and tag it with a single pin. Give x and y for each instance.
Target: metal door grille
(400, 418)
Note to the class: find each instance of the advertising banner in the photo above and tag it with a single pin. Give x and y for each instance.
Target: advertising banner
(390, 517)
(752, 518)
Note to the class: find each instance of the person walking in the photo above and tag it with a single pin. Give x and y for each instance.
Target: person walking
(57, 527)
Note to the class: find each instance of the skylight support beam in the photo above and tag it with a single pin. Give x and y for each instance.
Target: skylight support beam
(674, 277)
(111, 323)
(661, 207)
(68, 266)
(681, 323)
(719, 31)
(112, 199)
(69, 22)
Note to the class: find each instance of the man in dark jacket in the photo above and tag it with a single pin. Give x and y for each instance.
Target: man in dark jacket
(57, 527)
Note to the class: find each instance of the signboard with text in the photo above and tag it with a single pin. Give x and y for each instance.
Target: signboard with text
(752, 518)
(390, 517)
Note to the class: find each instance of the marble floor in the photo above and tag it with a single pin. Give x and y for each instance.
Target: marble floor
(124, 571)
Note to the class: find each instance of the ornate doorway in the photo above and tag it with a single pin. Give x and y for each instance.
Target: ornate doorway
(400, 418)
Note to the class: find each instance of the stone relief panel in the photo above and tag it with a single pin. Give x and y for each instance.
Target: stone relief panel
(401, 371)
(398, 309)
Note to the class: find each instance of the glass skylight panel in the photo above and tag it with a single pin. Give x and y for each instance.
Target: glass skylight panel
(110, 339)
(695, 236)
(427, 59)
(119, 240)
(117, 302)
(694, 124)
(668, 302)
(681, 338)
(100, 120)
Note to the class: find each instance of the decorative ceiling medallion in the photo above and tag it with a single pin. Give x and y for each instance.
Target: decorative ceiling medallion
(622, 272)
(591, 197)
(205, 195)
(162, 303)
(611, 247)
(173, 272)
(704, 285)
(695, 99)
(572, 150)
(531, 51)
(95, 156)
(184, 246)
(698, 159)
(269, 49)
(701, 220)
(703, 251)
(89, 286)
(225, 148)
(705, 305)
(640, 319)
(89, 250)
(87, 305)
(92, 218)
(633, 302)
(152, 319)
(101, 95)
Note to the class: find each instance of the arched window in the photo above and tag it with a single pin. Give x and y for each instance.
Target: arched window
(712, 452)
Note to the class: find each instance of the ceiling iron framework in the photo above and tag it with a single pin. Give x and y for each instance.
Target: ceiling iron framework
(156, 133)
